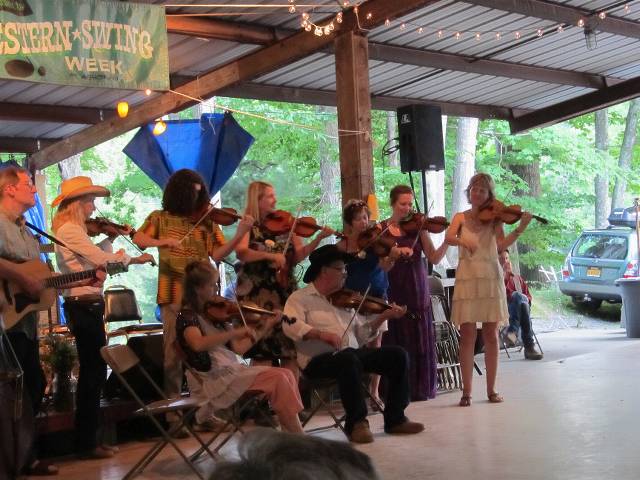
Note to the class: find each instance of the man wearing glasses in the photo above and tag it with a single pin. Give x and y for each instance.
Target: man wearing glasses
(328, 346)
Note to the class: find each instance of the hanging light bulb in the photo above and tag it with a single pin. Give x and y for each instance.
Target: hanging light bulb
(339, 17)
(292, 8)
(602, 15)
(147, 92)
(458, 35)
(517, 35)
(403, 26)
(387, 22)
(581, 22)
(439, 33)
(560, 29)
(369, 16)
(420, 30)
(627, 8)
(159, 128)
(478, 36)
(317, 32)
(540, 32)
(308, 27)
(123, 109)
(498, 36)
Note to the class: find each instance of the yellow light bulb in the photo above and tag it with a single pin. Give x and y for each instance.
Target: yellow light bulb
(123, 109)
(159, 128)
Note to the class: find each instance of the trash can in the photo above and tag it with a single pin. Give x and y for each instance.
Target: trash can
(630, 290)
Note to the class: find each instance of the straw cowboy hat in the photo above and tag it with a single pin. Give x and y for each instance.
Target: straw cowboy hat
(77, 187)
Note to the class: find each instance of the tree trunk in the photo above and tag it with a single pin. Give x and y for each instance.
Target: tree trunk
(392, 132)
(626, 153)
(70, 167)
(601, 180)
(464, 168)
(329, 163)
(435, 195)
(530, 173)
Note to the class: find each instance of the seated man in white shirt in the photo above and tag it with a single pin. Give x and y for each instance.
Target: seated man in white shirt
(324, 350)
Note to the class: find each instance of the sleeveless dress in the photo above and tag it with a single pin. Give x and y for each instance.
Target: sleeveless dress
(479, 293)
(408, 286)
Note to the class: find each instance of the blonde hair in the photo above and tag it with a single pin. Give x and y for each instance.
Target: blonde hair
(9, 176)
(483, 180)
(70, 211)
(255, 192)
(196, 275)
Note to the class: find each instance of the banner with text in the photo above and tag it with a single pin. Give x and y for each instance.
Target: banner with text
(91, 43)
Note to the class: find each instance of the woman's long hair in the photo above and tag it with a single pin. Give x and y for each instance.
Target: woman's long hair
(255, 191)
(185, 193)
(484, 180)
(69, 211)
(196, 275)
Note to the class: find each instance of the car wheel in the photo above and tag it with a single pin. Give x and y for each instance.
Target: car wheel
(586, 305)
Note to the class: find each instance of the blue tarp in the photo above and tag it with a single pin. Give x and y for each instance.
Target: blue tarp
(213, 146)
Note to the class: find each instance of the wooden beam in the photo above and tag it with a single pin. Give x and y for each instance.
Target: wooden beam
(53, 113)
(462, 63)
(577, 106)
(224, 30)
(564, 14)
(257, 91)
(354, 114)
(245, 68)
(24, 145)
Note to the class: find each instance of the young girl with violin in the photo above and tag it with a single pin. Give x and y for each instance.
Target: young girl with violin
(215, 367)
(267, 274)
(369, 268)
(183, 231)
(84, 306)
(479, 294)
(408, 286)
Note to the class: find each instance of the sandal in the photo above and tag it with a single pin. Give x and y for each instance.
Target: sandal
(41, 468)
(495, 397)
(465, 401)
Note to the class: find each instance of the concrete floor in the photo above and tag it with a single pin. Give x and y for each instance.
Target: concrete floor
(574, 415)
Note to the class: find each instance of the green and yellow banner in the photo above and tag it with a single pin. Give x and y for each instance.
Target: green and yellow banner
(90, 43)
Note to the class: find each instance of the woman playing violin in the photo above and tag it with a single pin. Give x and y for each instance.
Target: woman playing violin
(218, 375)
(408, 286)
(479, 295)
(84, 306)
(367, 270)
(263, 256)
(180, 239)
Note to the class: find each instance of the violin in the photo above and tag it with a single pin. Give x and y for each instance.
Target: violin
(346, 298)
(221, 310)
(220, 216)
(280, 222)
(495, 210)
(101, 225)
(416, 222)
(375, 238)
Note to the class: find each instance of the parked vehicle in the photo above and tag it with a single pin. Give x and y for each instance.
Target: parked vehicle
(598, 258)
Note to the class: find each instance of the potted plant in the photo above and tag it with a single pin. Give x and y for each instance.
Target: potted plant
(61, 357)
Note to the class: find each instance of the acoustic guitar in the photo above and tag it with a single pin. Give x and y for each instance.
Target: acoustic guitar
(18, 303)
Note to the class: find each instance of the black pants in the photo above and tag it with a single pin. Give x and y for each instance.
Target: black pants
(347, 367)
(86, 322)
(28, 354)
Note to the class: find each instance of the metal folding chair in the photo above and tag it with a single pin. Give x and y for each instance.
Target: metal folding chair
(121, 359)
(447, 346)
(519, 345)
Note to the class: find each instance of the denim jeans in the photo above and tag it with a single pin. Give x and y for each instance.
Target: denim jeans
(520, 317)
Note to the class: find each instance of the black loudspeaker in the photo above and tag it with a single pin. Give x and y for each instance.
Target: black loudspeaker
(149, 350)
(420, 131)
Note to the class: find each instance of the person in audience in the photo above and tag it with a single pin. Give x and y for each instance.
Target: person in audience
(519, 302)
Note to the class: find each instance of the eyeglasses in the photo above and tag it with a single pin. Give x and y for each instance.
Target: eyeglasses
(343, 269)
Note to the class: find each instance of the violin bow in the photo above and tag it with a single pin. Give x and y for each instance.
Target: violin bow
(415, 240)
(293, 227)
(153, 262)
(204, 215)
(372, 241)
(355, 314)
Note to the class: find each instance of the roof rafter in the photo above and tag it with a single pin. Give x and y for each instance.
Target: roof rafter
(53, 113)
(575, 107)
(24, 144)
(224, 30)
(245, 68)
(564, 14)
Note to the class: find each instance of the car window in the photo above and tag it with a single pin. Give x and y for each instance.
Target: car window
(612, 247)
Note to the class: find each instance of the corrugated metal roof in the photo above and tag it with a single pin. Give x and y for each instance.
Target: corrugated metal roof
(615, 56)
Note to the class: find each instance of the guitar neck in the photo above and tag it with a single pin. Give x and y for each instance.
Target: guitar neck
(62, 281)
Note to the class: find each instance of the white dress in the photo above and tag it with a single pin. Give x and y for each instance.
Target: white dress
(479, 294)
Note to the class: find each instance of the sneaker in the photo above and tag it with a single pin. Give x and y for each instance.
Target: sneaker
(361, 433)
(510, 339)
(530, 353)
(408, 427)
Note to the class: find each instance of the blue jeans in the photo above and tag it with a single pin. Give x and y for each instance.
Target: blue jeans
(520, 317)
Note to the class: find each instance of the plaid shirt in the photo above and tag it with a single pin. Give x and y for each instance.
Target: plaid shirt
(515, 283)
(200, 244)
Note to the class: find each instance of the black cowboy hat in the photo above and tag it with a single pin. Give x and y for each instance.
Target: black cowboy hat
(323, 256)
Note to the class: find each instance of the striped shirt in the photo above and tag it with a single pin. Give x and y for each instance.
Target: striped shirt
(200, 244)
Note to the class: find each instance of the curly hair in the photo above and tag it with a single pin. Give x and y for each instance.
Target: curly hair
(352, 208)
(185, 193)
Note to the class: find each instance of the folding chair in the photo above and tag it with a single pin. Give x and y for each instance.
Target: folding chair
(121, 359)
(251, 403)
(447, 346)
(322, 390)
(519, 343)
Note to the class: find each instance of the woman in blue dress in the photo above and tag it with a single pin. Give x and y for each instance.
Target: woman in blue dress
(368, 271)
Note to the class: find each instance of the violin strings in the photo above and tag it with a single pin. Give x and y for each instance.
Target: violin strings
(355, 314)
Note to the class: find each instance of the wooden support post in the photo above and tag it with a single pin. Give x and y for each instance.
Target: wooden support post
(354, 114)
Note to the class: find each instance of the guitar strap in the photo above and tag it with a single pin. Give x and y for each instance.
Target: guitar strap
(57, 241)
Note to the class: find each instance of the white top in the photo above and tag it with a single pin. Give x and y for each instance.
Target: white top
(313, 310)
(95, 255)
